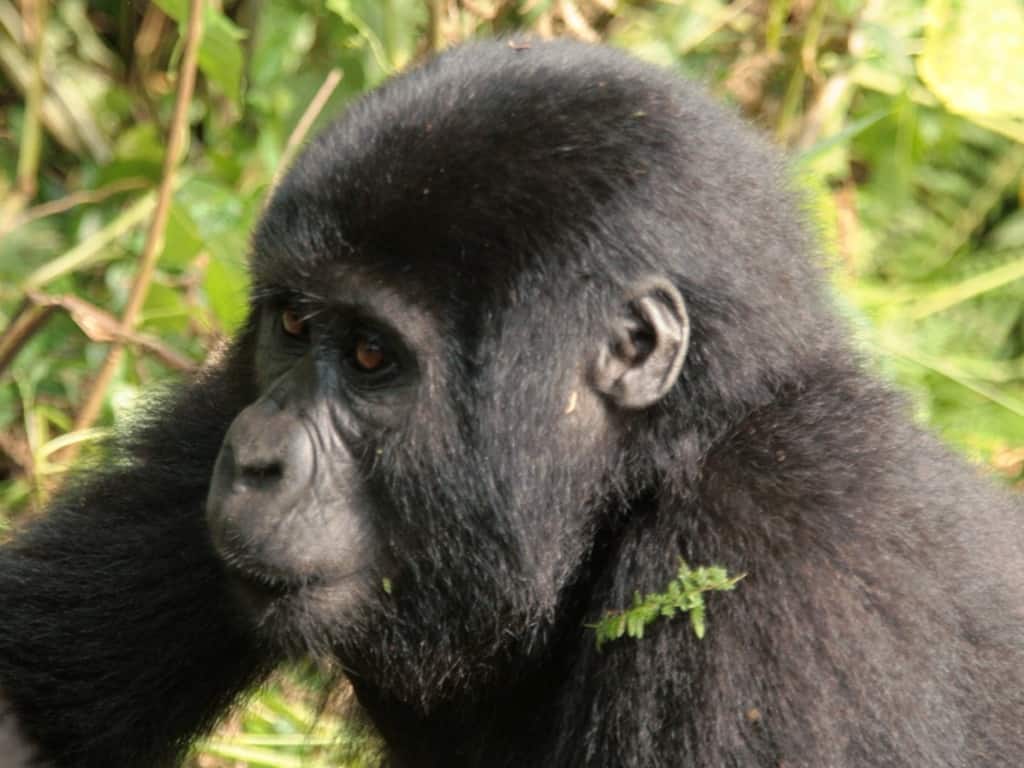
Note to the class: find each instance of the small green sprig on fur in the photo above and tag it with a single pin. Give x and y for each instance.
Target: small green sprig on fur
(684, 594)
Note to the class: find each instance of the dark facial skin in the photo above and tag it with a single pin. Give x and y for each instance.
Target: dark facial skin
(288, 508)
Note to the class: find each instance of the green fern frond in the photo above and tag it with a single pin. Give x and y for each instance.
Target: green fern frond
(684, 594)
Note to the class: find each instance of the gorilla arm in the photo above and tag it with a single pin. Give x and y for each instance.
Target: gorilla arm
(116, 646)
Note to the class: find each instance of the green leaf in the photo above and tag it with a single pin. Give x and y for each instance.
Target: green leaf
(357, 18)
(972, 56)
(697, 621)
(684, 594)
(220, 52)
(849, 132)
(226, 285)
(284, 38)
(182, 242)
(138, 154)
(165, 311)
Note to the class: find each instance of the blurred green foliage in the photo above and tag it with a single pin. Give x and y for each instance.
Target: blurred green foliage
(904, 119)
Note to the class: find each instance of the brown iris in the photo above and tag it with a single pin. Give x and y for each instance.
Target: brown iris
(368, 355)
(293, 324)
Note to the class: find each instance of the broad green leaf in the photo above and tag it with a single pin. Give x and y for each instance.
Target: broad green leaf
(220, 53)
(226, 285)
(283, 39)
(973, 56)
(1010, 232)
(165, 311)
(138, 153)
(181, 240)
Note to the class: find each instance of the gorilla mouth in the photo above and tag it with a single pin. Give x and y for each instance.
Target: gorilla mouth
(266, 597)
(258, 592)
(258, 583)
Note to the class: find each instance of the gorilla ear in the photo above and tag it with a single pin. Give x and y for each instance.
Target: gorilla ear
(641, 360)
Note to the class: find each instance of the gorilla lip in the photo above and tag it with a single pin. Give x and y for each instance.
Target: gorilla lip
(257, 591)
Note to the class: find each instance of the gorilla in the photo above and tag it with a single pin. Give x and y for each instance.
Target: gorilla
(528, 325)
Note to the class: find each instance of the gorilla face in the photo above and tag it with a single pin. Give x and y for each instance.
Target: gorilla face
(379, 476)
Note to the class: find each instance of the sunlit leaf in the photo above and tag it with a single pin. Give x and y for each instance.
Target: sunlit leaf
(973, 56)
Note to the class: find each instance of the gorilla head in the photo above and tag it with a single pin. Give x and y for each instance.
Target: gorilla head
(471, 333)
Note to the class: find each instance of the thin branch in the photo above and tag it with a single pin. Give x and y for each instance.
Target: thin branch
(576, 22)
(486, 14)
(28, 319)
(31, 145)
(75, 199)
(298, 134)
(94, 248)
(154, 237)
(435, 29)
(34, 16)
(100, 325)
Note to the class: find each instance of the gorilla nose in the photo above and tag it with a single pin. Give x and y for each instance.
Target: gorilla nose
(259, 473)
(250, 468)
(263, 471)
(267, 452)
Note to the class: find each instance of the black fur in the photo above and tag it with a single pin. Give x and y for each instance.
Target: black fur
(498, 204)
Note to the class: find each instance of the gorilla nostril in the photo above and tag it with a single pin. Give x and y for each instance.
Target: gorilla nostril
(260, 475)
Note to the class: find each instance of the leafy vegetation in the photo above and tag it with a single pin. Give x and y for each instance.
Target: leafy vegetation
(904, 118)
(684, 594)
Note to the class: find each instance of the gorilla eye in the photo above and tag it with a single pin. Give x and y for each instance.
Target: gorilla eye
(368, 355)
(372, 361)
(292, 324)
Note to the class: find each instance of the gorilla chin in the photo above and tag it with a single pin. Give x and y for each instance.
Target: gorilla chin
(295, 619)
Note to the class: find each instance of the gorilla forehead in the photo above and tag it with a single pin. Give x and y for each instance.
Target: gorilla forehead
(471, 163)
(496, 175)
